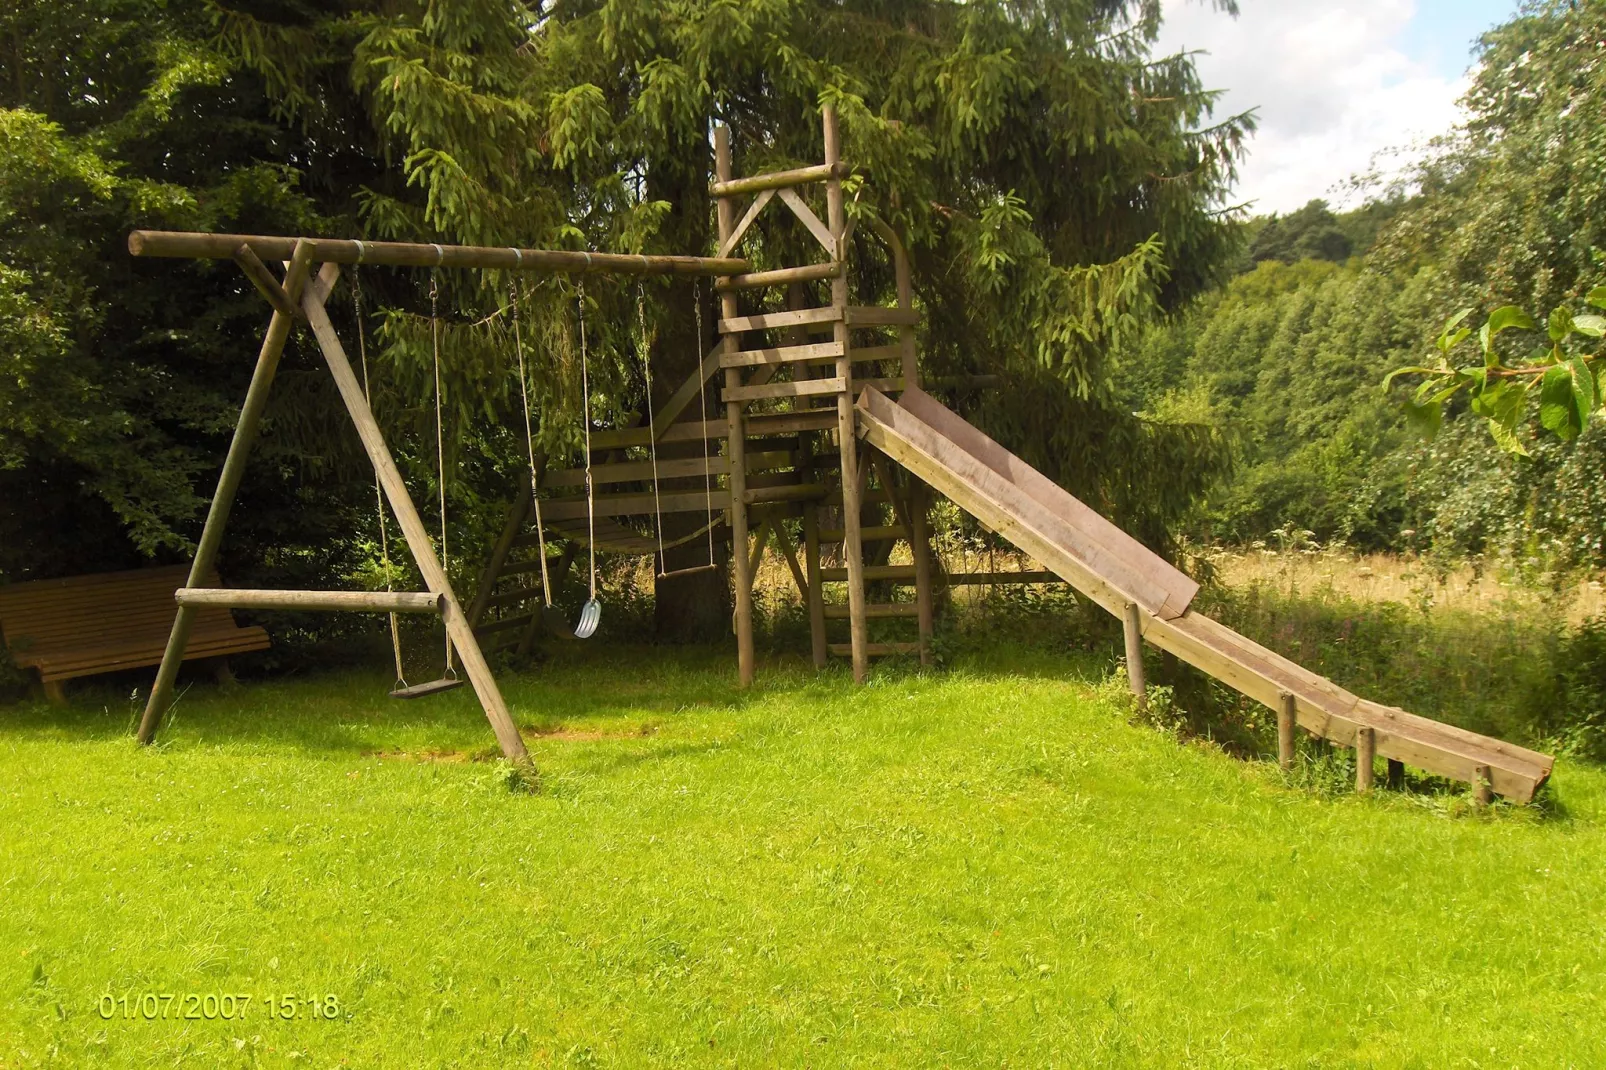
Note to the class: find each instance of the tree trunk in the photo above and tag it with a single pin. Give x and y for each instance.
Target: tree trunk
(696, 607)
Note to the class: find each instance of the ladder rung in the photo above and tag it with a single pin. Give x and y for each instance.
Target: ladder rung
(871, 572)
(798, 389)
(802, 317)
(875, 650)
(875, 611)
(754, 358)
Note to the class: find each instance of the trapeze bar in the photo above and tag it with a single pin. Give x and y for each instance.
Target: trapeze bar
(196, 246)
(348, 601)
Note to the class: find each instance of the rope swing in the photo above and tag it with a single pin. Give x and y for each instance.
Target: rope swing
(591, 612)
(448, 679)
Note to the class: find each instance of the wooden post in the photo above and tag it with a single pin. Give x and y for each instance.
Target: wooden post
(228, 485)
(1287, 719)
(458, 627)
(1483, 785)
(852, 536)
(736, 447)
(1133, 626)
(1396, 775)
(811, 554)
(1365, 756)
(920, 546)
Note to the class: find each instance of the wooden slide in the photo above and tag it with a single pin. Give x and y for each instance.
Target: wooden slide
(1115, 570)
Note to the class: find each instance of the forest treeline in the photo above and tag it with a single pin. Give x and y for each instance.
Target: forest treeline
(1288, 354)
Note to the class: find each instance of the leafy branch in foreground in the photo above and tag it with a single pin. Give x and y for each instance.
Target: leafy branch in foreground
(1568, 379)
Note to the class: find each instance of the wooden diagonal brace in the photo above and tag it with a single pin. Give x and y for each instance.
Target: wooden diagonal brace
(263, 280)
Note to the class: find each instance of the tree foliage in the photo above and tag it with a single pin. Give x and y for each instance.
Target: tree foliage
(1056, 181)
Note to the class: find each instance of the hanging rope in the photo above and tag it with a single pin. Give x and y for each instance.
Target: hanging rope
(702, 396)
(591, 612)
(529, 443)
(652, 425)
(440, 440)
(379, 491)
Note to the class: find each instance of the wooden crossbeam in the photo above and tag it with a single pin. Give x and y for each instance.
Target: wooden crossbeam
(796, 389)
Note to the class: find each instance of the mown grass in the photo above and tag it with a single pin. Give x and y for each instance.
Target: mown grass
(987, 866)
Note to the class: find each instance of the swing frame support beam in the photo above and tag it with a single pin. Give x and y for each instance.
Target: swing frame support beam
(301, 297)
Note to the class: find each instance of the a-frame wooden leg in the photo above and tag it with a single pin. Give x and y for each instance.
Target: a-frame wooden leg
(412, 525)
(228, 484)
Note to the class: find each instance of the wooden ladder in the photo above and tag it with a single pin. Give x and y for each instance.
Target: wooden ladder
(804, 358)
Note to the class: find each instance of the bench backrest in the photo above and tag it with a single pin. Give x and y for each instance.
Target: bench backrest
(43, 617)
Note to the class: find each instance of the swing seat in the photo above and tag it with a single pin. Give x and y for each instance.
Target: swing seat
(692, 571)
(424, 690)
(590, 617)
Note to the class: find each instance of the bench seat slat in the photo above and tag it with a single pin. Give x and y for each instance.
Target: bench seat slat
(86, 625)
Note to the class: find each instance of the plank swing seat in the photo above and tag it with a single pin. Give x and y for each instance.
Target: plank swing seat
(424, 690)
(448, 681)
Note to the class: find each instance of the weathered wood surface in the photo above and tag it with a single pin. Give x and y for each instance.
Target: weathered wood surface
(774, 180)
(1121, 561)
(779, 276)
(347, 601)
(86, 625)
(772, 321)
(801, 388)
(991, 488)
(195, 246)
(822, 352)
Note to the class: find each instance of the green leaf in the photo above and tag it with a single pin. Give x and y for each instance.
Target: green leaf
(1449, 338)
(1597, 297)
(1388, 380)
(1506, 439)
(1590, 326)
(1561, 323)
(1583, 389)
(1557, 411)
(1425, 417)
(1503, 319)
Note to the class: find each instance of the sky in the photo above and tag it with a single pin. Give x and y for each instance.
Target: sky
(1335, 82)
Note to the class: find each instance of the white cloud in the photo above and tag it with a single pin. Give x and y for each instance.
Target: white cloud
(1331, 85)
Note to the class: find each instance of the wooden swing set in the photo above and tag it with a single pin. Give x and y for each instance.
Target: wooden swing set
(834, 461)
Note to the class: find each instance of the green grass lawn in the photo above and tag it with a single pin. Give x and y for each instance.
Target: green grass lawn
(983, 867)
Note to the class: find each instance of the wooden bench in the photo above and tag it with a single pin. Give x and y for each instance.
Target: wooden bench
(86, 625)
